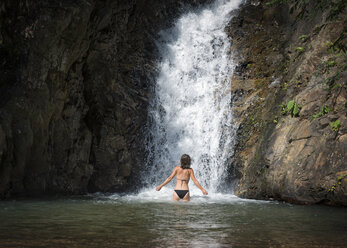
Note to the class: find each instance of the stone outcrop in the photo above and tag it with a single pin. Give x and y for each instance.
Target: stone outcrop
(291, 50)
(75, 80)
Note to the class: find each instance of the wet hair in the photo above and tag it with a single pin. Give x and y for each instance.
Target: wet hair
(185, 161)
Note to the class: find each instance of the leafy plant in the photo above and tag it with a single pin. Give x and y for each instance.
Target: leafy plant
(335, 125)
(283, 108)
(323, 111)
(291, 108)
(338, 182)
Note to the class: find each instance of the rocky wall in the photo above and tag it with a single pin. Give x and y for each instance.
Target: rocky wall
(75, 81)
(289, 100)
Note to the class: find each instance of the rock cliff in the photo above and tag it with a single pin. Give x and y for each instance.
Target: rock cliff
(74, 85)
(289, 101)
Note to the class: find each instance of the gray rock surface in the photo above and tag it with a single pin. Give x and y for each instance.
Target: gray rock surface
(75, 80)
(284, 56)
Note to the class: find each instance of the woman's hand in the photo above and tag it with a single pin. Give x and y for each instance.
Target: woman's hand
(158, 188)
(204, 192)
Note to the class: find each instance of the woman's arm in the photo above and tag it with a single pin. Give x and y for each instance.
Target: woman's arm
(197, 183)
(167, 180)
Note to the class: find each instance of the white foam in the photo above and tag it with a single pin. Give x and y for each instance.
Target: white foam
(164, 196)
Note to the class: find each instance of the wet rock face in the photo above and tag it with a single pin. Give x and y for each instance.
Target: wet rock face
(75, 80)
(296, 157)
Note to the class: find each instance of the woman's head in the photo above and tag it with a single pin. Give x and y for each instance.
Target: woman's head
(185, 161)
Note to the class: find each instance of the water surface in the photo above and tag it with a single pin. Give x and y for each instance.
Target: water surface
(145, 221)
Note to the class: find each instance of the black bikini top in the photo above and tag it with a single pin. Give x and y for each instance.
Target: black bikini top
(182, 179)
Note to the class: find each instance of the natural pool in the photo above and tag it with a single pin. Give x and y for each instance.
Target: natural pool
(151, 219)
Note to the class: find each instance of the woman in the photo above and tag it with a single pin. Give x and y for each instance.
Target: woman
(183, 173)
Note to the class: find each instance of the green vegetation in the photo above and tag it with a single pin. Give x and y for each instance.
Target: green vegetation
(300, 50)
(303, 37)
(291, 108)
(338, 60)
(338, 45)
(323, 111)
(338, 182)
(332, 82)
(283, 108)
(335, 125)
(330, 46)
(336, 86)
(275, 120)
(298, 83)
(253, 120)
(285, 86)
(330, 63)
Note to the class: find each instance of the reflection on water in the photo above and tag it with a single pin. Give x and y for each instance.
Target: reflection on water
(138, 221)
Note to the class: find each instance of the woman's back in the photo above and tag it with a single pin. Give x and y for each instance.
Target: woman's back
(183, 173)
(182, 176)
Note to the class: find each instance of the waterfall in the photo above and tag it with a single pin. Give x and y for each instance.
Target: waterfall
(190, 111)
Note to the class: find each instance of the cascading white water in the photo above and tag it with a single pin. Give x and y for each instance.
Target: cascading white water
(191, 110)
